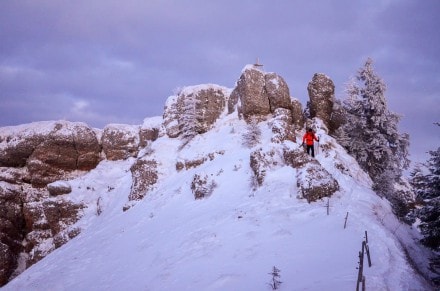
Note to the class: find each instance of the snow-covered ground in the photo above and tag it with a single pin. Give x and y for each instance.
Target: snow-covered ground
(232, 239)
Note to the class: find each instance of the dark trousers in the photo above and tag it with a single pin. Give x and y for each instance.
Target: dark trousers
(310, 148)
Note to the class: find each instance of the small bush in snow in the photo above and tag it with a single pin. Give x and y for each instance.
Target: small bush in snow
(202, 186)
(252, 135)
(275, 282)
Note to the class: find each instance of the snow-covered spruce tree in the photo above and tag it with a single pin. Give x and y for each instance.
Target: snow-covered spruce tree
(427, 187)
(188, 120)
(430, 213)
(251, 137)
(371, 134)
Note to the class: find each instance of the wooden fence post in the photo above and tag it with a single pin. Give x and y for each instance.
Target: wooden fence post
(345, 223)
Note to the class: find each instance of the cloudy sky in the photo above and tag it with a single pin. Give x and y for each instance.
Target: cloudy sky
(109, 61)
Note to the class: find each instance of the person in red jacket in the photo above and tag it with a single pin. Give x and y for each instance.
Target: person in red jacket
(308, 138)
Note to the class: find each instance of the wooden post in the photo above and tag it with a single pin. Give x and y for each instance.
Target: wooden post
(328, 206)
(368, 254)
(366, 237)
(345, 223)
(363, 283)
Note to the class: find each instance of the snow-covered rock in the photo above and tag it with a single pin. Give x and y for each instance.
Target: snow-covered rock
(120, 141)
(49, 150)
(59, 188)
(194, 109)
(322, 94)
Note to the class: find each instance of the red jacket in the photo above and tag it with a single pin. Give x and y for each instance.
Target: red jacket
(309, 137)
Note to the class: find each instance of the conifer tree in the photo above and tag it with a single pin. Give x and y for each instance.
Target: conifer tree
(373, 137)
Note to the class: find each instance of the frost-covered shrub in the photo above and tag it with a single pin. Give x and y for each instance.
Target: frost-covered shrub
(203, 186)
(252, 136)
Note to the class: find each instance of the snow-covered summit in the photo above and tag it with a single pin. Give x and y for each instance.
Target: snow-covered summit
(232, 237)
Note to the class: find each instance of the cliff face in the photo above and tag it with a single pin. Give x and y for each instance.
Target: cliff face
(37, 210)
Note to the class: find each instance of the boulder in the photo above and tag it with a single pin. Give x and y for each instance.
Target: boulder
(120, 141)
(195, 109)
(314, 182)
(322, 94)
(59, 188)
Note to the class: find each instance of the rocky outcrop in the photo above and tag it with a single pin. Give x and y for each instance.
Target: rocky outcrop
(313, 181)
(32, 156)
(12, 227)
(33, 223)
(297, 114)
(194, 109)
(282, 126)
(322, 94)
(120, 141)
(259, 93)
(144, 176)
(262, 160)
(49, 150)
(149, 130)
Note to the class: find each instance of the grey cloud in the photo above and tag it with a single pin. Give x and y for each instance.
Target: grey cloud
(112, 61)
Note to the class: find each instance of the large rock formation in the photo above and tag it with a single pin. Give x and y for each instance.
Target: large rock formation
(259, 93)
(49, 150)
(322, 94)
(195, 109)
(32, 223)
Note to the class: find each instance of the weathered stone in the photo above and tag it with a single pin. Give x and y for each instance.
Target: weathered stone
(7, 265)
(252, 93)
(277, 92)
(195, 108)
(120, 141)
(282, 126)
(15, 175)
(338, 117)
(144, 176)
(296, 157)
(314, 182)
(258, 94)
(322, 94)
(49, 150)
(171, 113)
(297, 114)
(59, 188)
(261, 161)
(233, 101)
(149, 131)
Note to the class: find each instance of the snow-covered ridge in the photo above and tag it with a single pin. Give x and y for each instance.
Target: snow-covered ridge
(225, 200)
(231, 239)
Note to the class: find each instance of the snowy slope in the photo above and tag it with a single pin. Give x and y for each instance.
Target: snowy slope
(230, 240)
